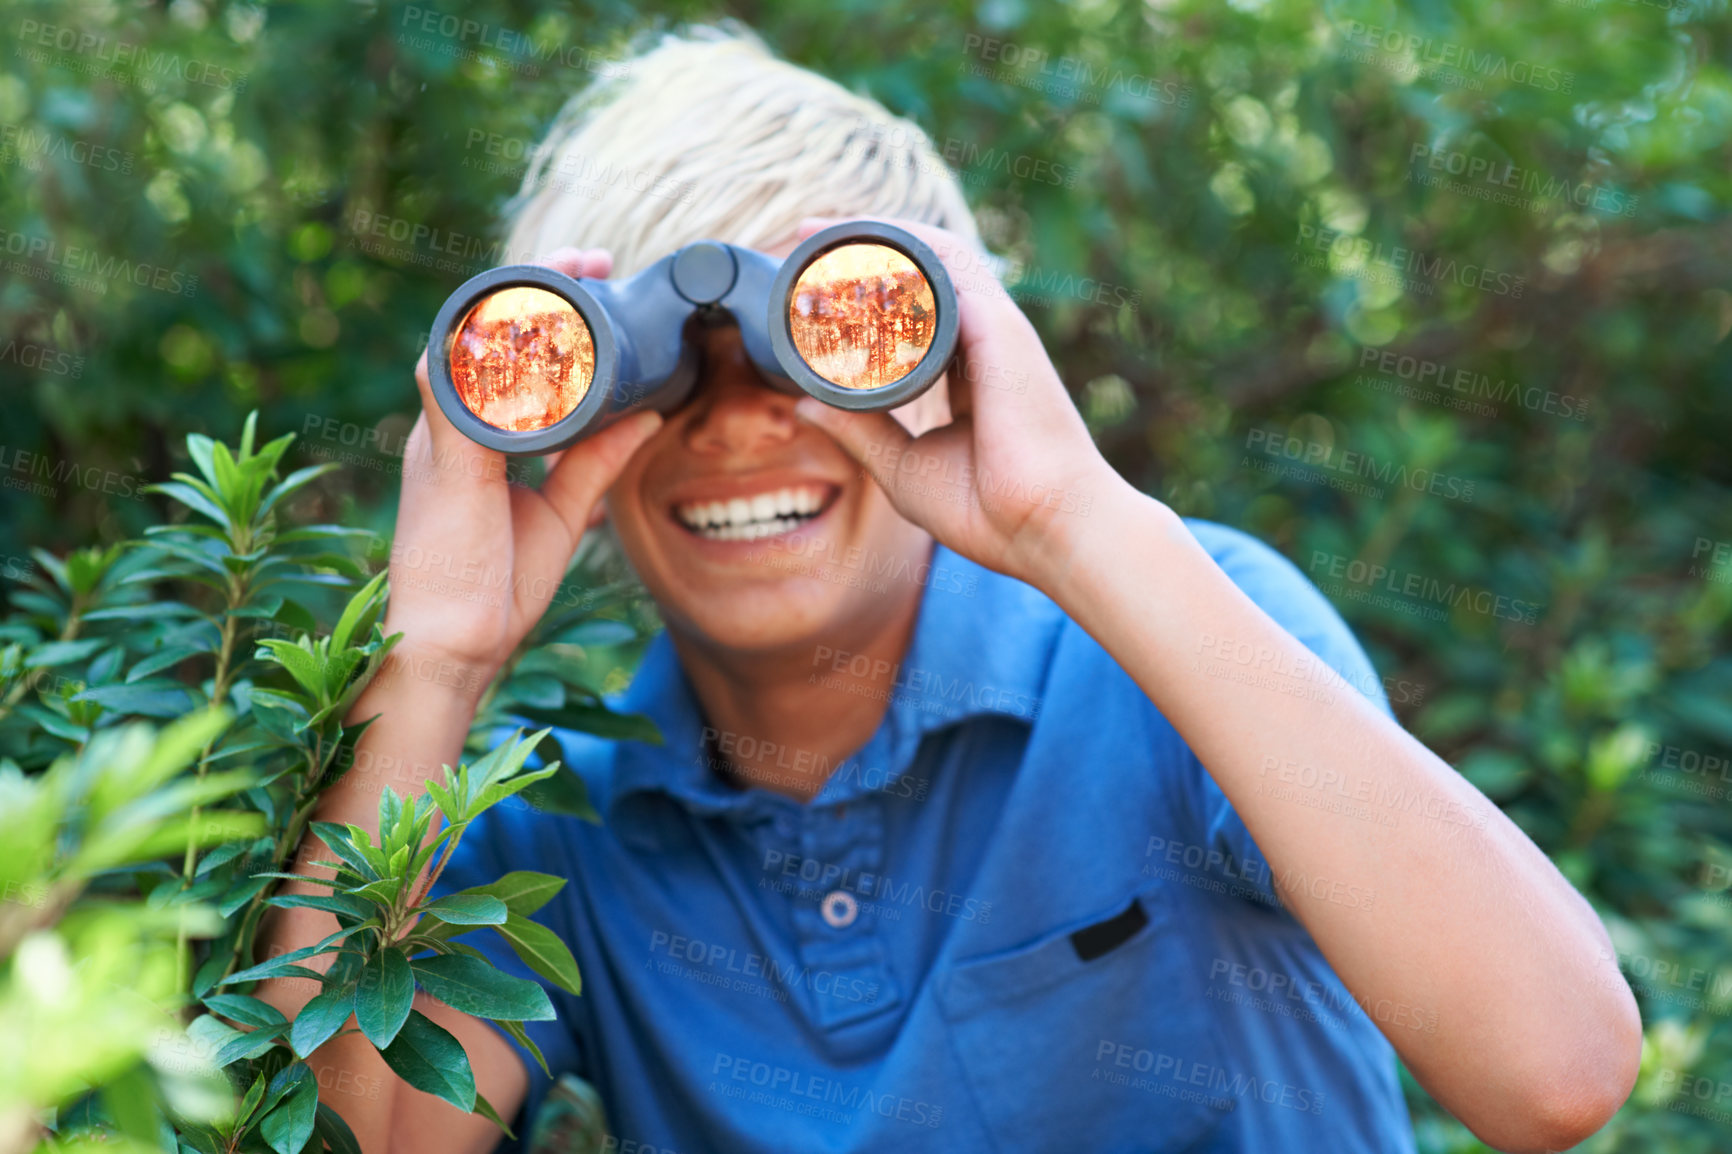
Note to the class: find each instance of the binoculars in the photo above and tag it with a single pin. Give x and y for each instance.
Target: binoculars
(526, 360)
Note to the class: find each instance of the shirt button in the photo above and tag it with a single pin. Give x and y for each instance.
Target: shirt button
(839, 909)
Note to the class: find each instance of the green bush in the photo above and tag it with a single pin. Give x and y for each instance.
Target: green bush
(135, 863)
(1223, 216)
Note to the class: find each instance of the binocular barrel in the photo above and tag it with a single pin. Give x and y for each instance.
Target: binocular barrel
(525, 360)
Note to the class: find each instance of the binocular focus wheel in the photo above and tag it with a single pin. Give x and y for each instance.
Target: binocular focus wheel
(704, 272)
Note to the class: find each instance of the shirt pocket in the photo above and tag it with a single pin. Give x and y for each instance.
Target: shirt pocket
(1113, 1053)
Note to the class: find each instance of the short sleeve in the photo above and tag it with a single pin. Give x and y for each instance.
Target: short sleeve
(514, 836)
(1277, 586)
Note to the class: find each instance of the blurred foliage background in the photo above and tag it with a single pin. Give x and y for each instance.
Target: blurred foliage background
(1435, 293)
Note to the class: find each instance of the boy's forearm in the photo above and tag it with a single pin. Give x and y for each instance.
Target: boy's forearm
(1470, 920)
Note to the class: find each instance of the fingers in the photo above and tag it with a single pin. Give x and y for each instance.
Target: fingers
(445, 450)
(872, 439)
(585, 471)
(577, 262)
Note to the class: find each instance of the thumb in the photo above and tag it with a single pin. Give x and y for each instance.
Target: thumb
(585, 471)
(875, 440)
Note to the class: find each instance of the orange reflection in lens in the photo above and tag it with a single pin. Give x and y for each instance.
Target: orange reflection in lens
(522, 359)
(862, 316)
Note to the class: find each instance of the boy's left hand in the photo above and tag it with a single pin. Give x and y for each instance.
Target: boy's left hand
(1014, 477)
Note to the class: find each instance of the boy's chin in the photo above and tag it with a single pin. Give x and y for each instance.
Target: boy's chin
(782, 617)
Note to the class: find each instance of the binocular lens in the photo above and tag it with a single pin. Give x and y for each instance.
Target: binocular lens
(522, 359)
(862, 316)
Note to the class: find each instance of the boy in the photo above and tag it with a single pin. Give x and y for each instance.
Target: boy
(998, 808)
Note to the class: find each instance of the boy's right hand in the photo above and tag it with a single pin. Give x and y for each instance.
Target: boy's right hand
(476, 560)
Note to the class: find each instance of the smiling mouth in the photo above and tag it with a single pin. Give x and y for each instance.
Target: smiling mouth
(767, 514)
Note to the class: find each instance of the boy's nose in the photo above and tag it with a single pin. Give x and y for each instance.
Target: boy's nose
(733, 411)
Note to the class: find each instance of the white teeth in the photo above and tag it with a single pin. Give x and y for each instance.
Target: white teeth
(750, 518)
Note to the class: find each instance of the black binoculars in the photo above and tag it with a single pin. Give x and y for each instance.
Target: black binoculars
(525, 360)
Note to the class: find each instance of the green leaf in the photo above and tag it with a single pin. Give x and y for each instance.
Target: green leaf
(251, 1102)
(542, 951)
(522, 891)
(303, 666)
(320, 1018)
(516, 1030)
(241, 894)
(245, 1009)
(276, 965)
(288, 1127)
(249, 1045)
(341, 904)
(359, 605)
(293, 482)
(428, 1058)
(336, 1133)
(468, 909)
(62, 652)
(498, 791)
(597, 631)
(536, 689)
(198, 447)
(227, 853)
(382, 893)
(130, 1101)
(194, 496)
(485, 1108)
(158, 697)
(60, 727)
(144, 611)
(595, 719)
(342, 843)
(384, 996)
(212, 827)
(565, 793)
(475, 987)
(284, 1081)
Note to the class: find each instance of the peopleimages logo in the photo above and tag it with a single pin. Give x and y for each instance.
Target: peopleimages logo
(1399, 259)
(1035, 68)
(1428, 53)
(42, 358)
(31, 148)
(75, 259)
(1216, 1079)
(1419, 587)
(1507, 183)
(823, 877)
(1274, 443)
(1428, 374)
(797, 1090)
(111, 57)
(964, 154)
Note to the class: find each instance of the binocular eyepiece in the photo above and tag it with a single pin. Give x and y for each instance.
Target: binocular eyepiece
(525, 360)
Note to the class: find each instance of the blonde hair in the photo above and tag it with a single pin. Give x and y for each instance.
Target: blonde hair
(706, 135)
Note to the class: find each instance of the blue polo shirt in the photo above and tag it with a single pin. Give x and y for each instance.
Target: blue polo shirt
(1021, 917)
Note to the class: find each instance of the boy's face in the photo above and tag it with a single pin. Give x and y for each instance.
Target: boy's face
(755, 531)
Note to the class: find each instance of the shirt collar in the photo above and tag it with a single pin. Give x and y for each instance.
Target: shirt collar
(982, 644)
